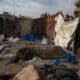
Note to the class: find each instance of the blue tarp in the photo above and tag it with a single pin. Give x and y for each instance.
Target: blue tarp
(68, 57)
(58, 61)
(32, 37)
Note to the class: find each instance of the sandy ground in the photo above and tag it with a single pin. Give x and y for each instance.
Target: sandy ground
(15, 68)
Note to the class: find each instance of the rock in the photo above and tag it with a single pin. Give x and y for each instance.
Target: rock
(28, 73)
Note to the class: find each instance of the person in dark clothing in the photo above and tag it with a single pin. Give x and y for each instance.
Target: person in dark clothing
(77, 38)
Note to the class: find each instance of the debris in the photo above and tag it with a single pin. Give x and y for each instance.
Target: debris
(59, 72)
(47, 60)
(12, 39)
(47, 72)
(44, 40)
(2, 37)
(78, 72)
(69, 57)
(59, 61)
(5, 52)
(29, 73)
(38, 61)
(2, 47)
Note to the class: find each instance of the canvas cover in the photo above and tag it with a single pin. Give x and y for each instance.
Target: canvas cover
(64, 32)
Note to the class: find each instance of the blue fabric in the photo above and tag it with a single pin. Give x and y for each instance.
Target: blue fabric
(59, 61)
(32, 37)
(68, 57)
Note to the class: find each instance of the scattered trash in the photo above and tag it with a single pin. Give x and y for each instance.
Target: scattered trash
(12, 39)
(2, 37)
(2, 47)
(59, 72)
(44, 40)
(78, 72)
(43, 61)
(69, 57)
(46, 72)
(38, 61)
(59, 61)
(23, 54)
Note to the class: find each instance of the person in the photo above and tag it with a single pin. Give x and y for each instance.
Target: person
(67, 18)
(76, 14)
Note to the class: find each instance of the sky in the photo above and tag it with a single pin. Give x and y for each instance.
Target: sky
(34, 8)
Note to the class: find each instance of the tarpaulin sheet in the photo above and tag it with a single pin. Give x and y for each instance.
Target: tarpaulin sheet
(69, 57)
(32, 37)
(64, 32)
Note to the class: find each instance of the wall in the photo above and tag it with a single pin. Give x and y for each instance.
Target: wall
(8, 26)
(25, 25)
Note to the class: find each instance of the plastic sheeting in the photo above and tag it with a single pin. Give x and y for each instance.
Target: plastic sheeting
(44, 41)
(64, 31)
(69, 57)
(2, 37)
(32, 37)
(11, 39)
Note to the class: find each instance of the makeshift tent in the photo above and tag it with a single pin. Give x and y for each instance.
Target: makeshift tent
(64, 31)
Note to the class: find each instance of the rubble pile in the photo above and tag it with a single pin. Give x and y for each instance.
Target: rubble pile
(24, 53)
(38, 49)
(46, 72)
